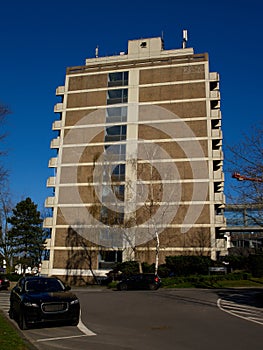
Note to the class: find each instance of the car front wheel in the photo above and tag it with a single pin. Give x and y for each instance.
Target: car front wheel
(22, 321)
(11, 312)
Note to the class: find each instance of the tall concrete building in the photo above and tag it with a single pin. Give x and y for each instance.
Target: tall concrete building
(138, 172)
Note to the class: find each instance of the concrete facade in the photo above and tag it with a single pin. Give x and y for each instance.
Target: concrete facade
(139, 159)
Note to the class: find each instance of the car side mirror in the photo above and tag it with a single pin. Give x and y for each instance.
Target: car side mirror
(67, 287)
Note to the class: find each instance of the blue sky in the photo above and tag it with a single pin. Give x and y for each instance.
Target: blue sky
(40, 38)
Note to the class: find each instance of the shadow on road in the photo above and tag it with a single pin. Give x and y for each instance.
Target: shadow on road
(246, 296)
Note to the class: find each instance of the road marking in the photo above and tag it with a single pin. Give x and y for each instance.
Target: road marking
(83, 328)
(60, 338)
(237, 309)
(4, 302)
(86, 333)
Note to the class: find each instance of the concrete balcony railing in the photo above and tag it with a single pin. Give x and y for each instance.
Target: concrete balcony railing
(214, 76)
(55, 143)
(53, 162)
(217, 134)
(50, 202)
(218, 175)
(60, 90)
(220, 220)
(215, 114)
(215, 94)
(219, 197)
(51, 181)
(57, 125)
(217, 154)
(48, 222)
(58, 107)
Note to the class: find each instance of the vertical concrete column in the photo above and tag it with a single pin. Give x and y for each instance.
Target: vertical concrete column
(131, 166)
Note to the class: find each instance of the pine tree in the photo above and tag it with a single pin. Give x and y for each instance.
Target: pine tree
(26, 234)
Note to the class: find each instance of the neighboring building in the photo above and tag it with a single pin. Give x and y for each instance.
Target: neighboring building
(139, 162)
(244, 228)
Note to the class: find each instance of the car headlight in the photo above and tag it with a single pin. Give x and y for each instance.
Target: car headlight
(73, 302)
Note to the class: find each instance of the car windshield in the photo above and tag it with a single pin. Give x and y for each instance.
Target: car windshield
(44, 285)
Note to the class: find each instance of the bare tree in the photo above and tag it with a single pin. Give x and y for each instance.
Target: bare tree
(5, 203)
(4, 111)
(245, 161)
(5, 211)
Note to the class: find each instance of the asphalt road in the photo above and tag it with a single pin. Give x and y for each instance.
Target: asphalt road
(181, 319)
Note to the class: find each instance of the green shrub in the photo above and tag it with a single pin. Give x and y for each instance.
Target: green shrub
(188, 265)
(256, 265)
(237, 262)
(128, 267)
(147, 268)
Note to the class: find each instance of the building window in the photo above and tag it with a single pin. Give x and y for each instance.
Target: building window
(118, 79)
(116, 115)
(118, 152)
(115, 133)
(118, 173)
(117, 96)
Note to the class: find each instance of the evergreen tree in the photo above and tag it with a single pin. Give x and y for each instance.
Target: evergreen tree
(26, 234)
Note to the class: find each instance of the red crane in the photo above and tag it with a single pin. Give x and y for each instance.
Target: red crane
(246, 178)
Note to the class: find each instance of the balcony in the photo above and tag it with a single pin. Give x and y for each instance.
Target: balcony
(220, 220)
(55, 143)
(60, 90)
(217, 154)
(215, 95)
(216, 123)
(218, 175)
(214, 76)
(215, 114)
(53, 162)
(58, 107)
(50, 202)
(57, 125)
(48, 222)
(217, 134)
(215, 103)
(219, 197)
(51, 181)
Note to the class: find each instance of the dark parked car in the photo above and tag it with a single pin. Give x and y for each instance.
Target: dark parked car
(39, 299)
(4, 282)
(140, 281)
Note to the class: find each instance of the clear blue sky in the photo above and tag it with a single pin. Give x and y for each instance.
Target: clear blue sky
(40, 38)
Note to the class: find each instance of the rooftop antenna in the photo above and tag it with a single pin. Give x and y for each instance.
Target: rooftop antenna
(97, 51)
(162, 40)
(185, 38)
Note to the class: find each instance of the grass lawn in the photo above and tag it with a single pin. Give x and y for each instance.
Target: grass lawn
(211, 282)
(10, 338)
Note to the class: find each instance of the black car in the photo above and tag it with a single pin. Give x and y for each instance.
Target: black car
(35, 300)
(140, 281)
(4, 282)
